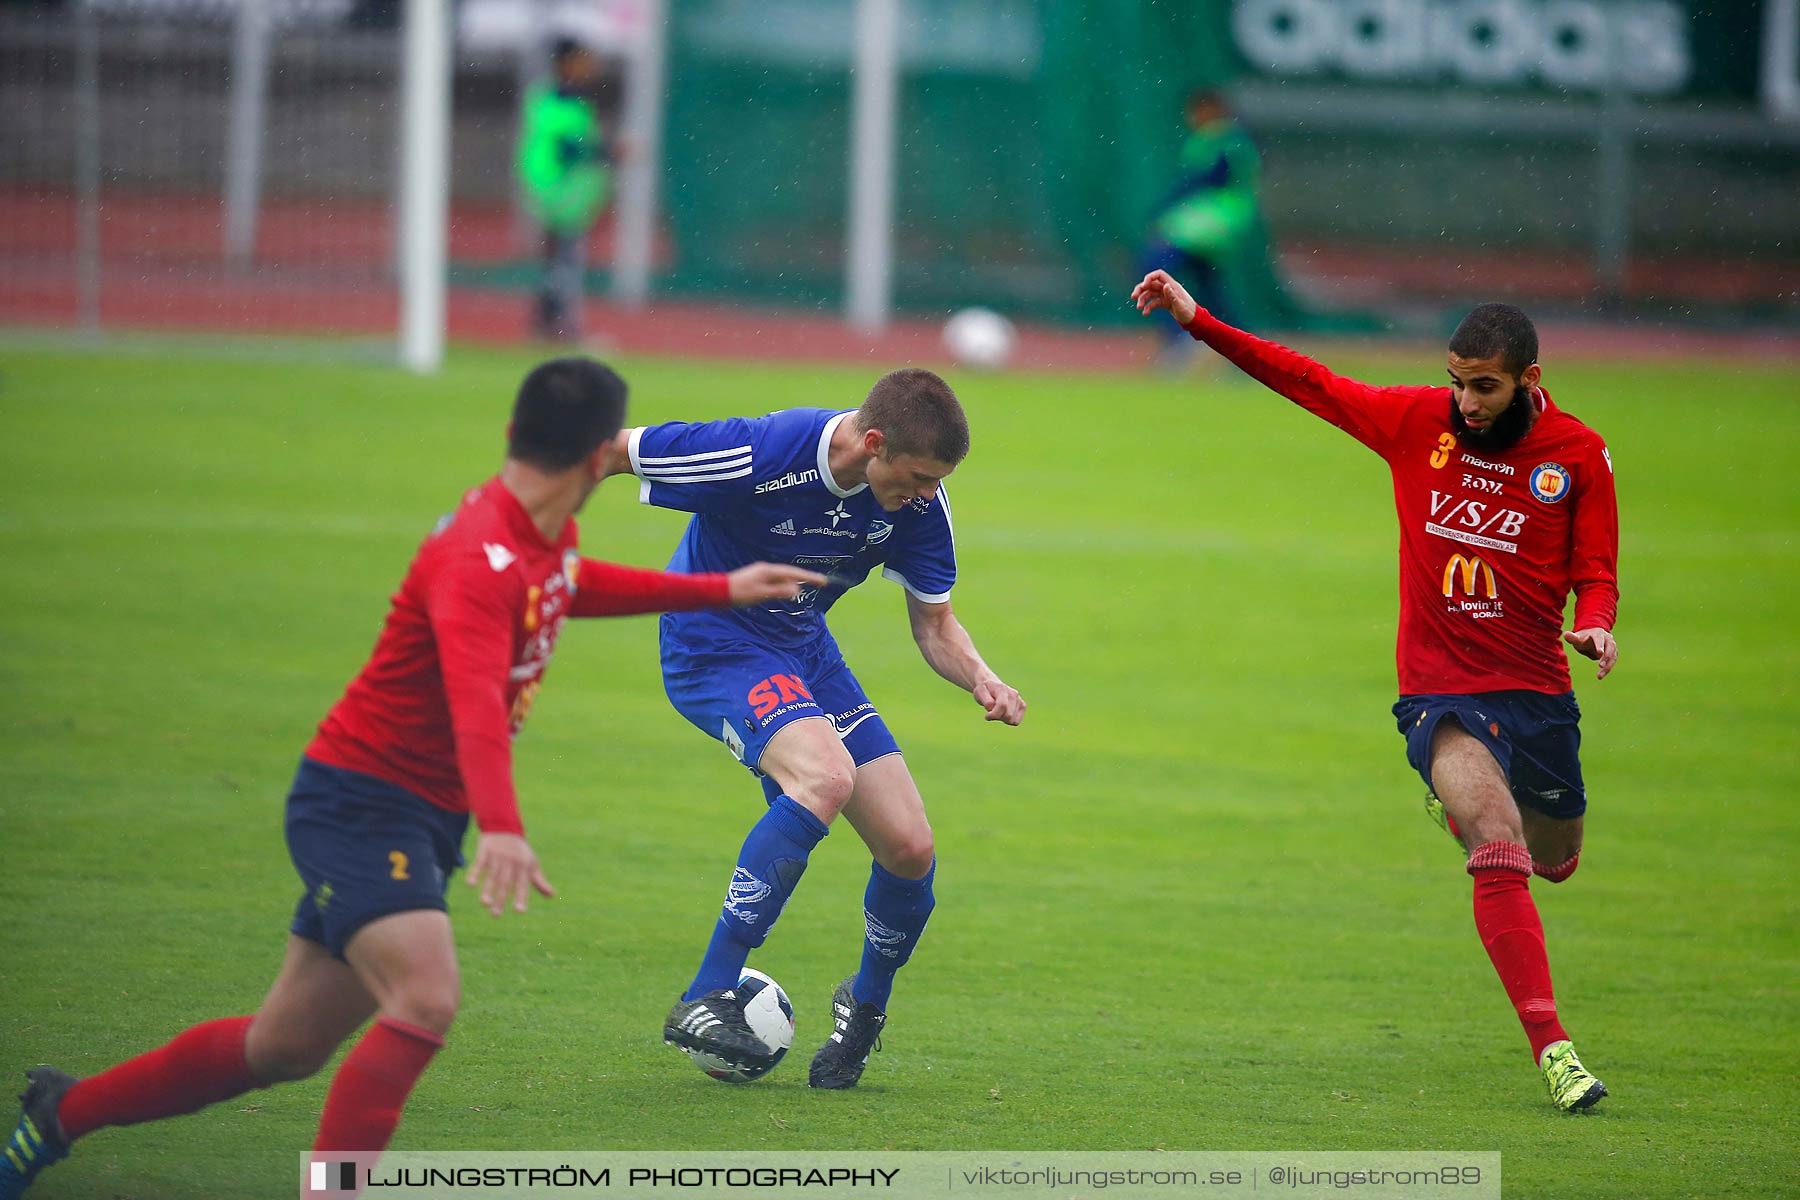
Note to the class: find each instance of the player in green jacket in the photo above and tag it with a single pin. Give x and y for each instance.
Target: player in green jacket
(565, 169)
(1208, 224)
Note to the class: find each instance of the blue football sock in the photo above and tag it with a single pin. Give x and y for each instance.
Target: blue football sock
(768, 868)
(894, 914)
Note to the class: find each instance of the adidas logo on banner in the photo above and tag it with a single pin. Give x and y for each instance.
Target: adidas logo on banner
(332, 1177)
(786, 527)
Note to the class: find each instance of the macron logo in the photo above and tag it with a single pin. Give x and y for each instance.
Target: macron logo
(499, 557)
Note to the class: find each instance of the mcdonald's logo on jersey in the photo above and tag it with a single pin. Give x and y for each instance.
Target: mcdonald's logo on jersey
(1468, 570)
(1549, 482)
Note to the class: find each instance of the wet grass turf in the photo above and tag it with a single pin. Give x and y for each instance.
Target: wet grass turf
(1191, 904)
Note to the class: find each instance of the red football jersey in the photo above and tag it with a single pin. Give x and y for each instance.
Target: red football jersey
(464, 648)
(1490, 542)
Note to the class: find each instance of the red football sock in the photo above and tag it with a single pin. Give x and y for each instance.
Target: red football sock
(200, 1067)
(1510, 928)
(1560, 871)
(362, 1109)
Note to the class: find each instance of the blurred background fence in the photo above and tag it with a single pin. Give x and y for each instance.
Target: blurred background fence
(232, 164)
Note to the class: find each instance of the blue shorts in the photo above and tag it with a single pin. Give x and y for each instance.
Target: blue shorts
(1534, 736)
(365, 848)
(743, 694)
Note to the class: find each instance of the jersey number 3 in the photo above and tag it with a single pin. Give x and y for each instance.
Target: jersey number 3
(1446, 443)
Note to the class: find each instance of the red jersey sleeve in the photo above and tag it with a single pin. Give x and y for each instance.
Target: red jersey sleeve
(1594, 554)
(1369, 414)
(473, 610)
(606, 589)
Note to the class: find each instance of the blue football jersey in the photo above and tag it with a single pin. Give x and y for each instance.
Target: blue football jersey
(760, 489)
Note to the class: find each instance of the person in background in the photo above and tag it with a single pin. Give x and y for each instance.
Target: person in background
(565, 170)
(1208, 220)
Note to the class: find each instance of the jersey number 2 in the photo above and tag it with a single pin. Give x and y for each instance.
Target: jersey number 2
(400, 863)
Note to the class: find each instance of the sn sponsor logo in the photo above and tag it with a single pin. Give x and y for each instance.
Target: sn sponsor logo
(771, 693)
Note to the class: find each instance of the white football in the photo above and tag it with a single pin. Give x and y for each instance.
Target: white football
(980, 337)
(771, 1017)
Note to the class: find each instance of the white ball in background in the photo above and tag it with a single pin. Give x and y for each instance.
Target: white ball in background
(980, 337)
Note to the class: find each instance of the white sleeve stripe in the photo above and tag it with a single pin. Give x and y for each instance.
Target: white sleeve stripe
(665, 460)
(927, 597)
(706, 478)
(637, 435)
(944, 500)
(644, 492)
(722, 465)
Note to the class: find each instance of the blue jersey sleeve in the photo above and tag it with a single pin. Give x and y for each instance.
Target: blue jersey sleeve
(698, 467)
(924, 563)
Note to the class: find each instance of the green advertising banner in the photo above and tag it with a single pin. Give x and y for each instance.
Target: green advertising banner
(1650, 48)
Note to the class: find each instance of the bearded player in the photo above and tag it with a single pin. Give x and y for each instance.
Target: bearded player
(421, 740)
(1506, 504)
(846, 493)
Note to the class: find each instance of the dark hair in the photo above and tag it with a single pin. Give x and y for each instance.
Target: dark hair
(1501, 329)
(918, 414)
(564, 48)
(566, 408)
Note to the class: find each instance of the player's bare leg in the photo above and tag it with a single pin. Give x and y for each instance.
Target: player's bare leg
(406, 963)
(315, 1003)
(888, 814)
(1555, 844)
(1468, 779)
(808, 760)
(814, 771)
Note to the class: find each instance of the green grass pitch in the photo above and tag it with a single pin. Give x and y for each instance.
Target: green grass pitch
(1192, 903)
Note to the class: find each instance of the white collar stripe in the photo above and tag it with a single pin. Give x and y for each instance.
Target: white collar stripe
(825, 459)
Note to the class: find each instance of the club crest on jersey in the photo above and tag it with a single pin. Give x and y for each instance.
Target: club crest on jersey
(571, 568)
(879, 531)
(1549, 482)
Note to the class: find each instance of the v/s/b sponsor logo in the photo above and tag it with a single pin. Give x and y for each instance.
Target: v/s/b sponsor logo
(1475, 522)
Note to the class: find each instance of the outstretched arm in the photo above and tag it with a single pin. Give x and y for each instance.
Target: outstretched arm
(605, 589)
(1369, 414)
(618, 453)
(947, 646)
(1162, 290)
